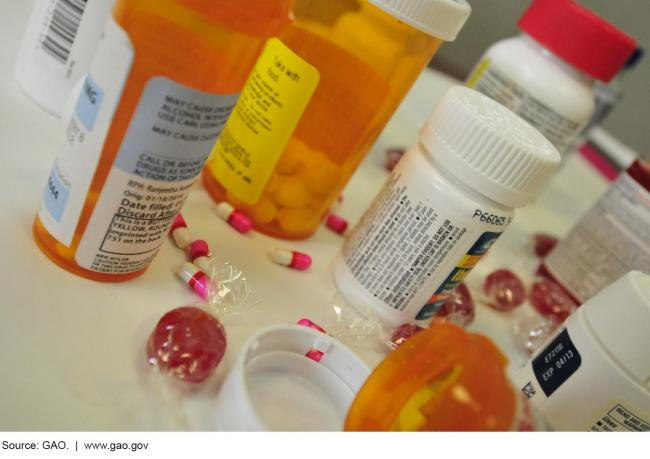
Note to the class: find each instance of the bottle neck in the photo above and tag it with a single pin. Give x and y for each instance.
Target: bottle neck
(557, 61)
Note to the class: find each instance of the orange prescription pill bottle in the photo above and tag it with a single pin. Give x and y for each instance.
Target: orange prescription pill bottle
(163, 81)
(317, 99)
(441, 379)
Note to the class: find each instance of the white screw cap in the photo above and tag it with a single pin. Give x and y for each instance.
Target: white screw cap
(488, 147)
(440, 18)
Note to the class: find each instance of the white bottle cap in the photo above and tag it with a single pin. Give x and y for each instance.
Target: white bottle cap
(619, 316)
(273, 385)
(489, 148)
(440, 18)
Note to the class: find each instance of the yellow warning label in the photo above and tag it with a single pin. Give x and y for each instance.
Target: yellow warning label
(478, 73)
(272, 102)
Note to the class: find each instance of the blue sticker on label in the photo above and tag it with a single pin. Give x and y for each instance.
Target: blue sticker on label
(90, 100)
(55, 195)
(483, 244)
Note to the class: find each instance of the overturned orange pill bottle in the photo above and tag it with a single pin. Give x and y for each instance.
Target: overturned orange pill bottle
(441, 379)
(316, 101)
(160, 88)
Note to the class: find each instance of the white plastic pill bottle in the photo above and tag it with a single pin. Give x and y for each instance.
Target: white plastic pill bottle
(610, 239)
(444, 205)
(547, 74)
(59, 43)
(594, 373)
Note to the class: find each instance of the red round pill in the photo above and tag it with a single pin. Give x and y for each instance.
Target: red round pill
(543, 244)
(188, 344)
(551, 300)
(504, 291)
(400, 334)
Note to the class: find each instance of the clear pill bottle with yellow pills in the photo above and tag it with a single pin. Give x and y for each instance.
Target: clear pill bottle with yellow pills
(317, 99)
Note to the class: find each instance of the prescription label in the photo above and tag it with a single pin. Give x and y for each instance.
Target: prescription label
(406, 248)
(271, 104)
(609, 241)
(619, 418)
(496, 84)
(165, 147)
(97, 97)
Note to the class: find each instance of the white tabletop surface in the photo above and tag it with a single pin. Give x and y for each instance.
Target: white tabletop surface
(72, 350)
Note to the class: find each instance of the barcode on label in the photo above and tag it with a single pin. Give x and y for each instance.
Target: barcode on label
(528, 390)
(63, 28)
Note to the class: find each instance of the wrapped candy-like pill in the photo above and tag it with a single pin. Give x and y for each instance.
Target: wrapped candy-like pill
(180, 233)
(459, 307)
(196, 279)
(551, 301)
(530, 333)
(296, 260)
(235, 218)
(336, 223)
(199, 253)
(504, 291)
(400, 334)
(543, 244)
(188, 344)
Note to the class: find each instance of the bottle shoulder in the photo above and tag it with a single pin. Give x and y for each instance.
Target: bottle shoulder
(545, 76)
(424, 173)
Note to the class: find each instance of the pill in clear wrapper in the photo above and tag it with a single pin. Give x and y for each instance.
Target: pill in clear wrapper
(180, 233)
(187, 344)
(503, 290)
(296, 260)
(196, 279)
(235, 218)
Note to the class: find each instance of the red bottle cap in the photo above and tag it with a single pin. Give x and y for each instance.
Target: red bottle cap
(578, 36)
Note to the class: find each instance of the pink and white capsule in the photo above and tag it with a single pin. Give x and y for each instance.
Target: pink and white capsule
(295, 260)
(196, 279)
(199, 253)
(235, 218)
(180, 233)
(336, 223)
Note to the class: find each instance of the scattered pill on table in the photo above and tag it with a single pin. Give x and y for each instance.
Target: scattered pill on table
(504, 291)
(336, 223)
(235, 218)
(296, 260)
(196, 279)
(180, 233)
(199, 254)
